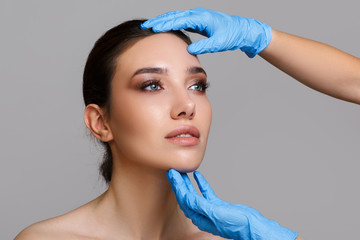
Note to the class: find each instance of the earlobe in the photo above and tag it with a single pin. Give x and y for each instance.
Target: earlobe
(95, 121)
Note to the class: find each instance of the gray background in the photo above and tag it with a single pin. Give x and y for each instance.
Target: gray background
(276, 145)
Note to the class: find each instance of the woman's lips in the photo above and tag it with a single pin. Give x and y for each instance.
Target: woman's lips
(184, 135)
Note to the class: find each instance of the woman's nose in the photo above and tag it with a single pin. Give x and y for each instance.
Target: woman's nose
(184, 107)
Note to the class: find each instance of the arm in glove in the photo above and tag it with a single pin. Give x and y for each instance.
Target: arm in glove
(213, 215)
(224, 32)
(306, 60)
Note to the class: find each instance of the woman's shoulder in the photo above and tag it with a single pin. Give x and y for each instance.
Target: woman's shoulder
(46, 229)
(68, 226)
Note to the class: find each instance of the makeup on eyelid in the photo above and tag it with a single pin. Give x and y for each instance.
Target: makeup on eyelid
(203, 85)
(148, 83)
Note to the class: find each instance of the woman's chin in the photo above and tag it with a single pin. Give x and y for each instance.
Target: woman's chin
(186, 167)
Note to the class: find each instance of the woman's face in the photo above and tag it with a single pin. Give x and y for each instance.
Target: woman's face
(158, 93)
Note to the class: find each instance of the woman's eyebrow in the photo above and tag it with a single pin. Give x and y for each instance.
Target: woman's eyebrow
(194, 70)
(157, 70)
(151, 70)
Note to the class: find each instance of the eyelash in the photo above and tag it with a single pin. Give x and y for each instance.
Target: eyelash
(202, 83)
(149, 83)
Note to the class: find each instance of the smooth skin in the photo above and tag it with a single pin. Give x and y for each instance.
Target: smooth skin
(315, 64)
(139, 203)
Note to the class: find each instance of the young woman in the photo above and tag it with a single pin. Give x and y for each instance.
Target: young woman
(146, 102)
(145, 98)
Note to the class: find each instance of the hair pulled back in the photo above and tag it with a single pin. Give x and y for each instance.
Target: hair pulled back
(99, 71)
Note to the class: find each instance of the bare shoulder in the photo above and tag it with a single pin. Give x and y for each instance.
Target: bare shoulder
(46, 229)
(67, 226)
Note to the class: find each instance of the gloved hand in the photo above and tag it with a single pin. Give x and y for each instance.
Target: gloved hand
(224, 32)
(213, 215)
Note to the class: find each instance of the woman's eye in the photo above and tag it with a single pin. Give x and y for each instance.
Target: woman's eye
(153, 85)
(200, 86)
(196, 87)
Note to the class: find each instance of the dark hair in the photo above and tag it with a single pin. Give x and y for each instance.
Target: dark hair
(99, 71)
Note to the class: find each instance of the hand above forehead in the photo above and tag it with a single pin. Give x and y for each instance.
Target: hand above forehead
(224, 32)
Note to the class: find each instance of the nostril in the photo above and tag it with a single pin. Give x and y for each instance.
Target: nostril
(182, 113)
(183, 109)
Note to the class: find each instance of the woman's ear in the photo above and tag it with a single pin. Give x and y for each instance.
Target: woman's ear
(94, 119)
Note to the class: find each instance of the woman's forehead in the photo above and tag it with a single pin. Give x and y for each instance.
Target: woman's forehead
(164, 49)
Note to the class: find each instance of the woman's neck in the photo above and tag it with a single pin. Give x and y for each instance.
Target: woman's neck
(141, 205)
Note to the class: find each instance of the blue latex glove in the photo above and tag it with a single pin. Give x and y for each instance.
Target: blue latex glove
(213, 215)
(224, 32)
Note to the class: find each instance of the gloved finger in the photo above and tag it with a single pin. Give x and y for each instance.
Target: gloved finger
(179, 188)
(188, 183)
(206, 45)
(187, 200)
(175, 181)
(204, 186)
(203, 32)
(185, 21)
(161, 18)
